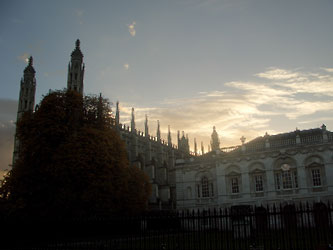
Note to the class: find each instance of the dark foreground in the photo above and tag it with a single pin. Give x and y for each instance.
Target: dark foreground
(297, 227)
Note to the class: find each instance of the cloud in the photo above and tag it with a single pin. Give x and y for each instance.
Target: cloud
(131, 28)
(24, 57)
(126, 66)
(329, 70)
(278, 74)
(285, 100)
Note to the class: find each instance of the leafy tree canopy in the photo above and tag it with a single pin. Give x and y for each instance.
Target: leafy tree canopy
(72, 162)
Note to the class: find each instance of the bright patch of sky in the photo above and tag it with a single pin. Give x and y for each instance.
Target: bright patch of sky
(246, 66)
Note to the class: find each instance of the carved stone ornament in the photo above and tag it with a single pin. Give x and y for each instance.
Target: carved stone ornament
(275, 154)
(304, 150)
(285, 167)
(291, 152)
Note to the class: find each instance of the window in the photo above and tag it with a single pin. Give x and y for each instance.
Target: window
(286, 180)
(234, 185)
(205, 187)
(259, 187)
(316, 181)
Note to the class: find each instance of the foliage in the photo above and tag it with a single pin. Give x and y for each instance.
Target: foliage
(72, 162)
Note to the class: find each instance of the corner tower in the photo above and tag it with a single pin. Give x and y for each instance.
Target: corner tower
(76, 70)
(27, 90)
(26, 99)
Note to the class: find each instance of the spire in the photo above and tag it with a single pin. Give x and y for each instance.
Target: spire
(29, 69)
(195, 147)
(202, 148)
(158, 134)
(146, 127)
(215, 142)
(117, 114)
(30, 61)
(183, 144)
(133, 122)
(169, 136)
(77, 51)
(76, 70)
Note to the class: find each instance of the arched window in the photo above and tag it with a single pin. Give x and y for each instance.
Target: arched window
(204, 187)
(285, 176)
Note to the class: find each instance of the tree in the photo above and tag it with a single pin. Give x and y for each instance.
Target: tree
(72, 162)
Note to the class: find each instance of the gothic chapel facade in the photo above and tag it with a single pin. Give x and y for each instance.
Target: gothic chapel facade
(284, 168)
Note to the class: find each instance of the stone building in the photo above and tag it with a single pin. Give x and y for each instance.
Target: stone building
(152, 154)
(290, 167)
(156, 157)
(272, 169)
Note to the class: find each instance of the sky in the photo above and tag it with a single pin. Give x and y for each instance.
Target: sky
(245, 66)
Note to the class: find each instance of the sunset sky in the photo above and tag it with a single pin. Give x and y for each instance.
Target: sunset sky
(245, 66)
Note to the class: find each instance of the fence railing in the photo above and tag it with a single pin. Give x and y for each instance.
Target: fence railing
(239, 227)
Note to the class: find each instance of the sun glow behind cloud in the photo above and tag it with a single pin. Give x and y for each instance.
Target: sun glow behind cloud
(286, 99)
(24, 57)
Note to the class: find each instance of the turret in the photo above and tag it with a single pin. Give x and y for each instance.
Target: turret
(158, 133)
(133, 122)
(215, 142)
(146, 127)
(169, 137)
(195, 147)
(26, 98)
(76, 70)
(183, 143)
(27, 90)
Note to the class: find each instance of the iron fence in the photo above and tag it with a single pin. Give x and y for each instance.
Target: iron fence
(239, 227)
